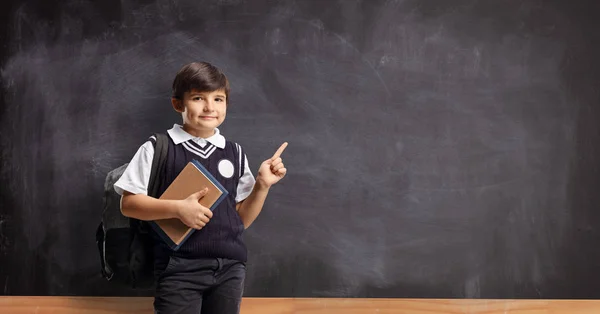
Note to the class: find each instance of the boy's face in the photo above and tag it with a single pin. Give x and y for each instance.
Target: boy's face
(202, 112)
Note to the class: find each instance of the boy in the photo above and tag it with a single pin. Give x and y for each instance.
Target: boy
(206, 275)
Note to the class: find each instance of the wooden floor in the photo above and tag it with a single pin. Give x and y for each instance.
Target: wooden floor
(72, 305)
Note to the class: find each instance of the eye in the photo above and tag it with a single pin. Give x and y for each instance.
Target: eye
(219, 99)
(196, 98)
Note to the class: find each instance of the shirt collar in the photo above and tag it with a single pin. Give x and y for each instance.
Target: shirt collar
(179, 135)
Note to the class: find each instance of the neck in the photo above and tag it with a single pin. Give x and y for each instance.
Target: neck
(199, 133)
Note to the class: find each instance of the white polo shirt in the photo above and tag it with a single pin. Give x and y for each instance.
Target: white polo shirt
(137, 174)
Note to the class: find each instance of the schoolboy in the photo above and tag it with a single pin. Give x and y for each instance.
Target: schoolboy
(206, 275)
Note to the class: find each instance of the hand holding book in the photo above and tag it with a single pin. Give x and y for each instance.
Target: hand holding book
(192, 213)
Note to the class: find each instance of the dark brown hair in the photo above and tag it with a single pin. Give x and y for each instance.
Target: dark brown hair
(201, 76)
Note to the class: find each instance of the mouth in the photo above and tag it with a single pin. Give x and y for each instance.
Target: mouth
(207, 117)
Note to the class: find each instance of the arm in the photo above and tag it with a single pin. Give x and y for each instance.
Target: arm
(270, 172)
(189, 210)
(251, 207)
(143, 207)
(133, 184)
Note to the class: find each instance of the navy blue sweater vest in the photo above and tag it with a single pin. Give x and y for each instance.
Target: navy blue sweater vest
(222, 235)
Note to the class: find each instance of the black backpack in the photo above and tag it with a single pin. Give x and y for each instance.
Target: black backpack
(125, 244)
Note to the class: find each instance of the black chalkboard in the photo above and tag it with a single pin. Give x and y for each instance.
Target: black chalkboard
(440, 148)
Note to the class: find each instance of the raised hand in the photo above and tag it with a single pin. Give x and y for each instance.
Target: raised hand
(272, 170)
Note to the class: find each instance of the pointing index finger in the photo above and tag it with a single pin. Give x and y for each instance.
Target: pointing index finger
(280, 150)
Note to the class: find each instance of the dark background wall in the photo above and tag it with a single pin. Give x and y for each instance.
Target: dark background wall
(437, 148)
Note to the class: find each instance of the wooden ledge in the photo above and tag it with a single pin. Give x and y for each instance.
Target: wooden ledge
(106, 305)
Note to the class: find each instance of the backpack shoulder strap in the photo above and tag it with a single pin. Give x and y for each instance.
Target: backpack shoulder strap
(161, 148)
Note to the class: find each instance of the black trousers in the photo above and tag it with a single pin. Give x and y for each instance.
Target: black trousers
(200, 286)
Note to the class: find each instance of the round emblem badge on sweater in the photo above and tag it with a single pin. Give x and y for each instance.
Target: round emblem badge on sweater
(226, 168)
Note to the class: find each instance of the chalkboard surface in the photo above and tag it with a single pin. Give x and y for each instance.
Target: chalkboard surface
(439, 148)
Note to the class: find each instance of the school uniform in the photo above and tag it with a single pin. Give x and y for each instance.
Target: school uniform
(209, 268)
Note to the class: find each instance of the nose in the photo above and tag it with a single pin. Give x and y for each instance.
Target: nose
(209, 106)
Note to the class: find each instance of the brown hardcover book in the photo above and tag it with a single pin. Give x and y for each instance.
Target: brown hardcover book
(193, 178)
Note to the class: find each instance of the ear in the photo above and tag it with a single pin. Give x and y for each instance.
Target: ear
(177, 104)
